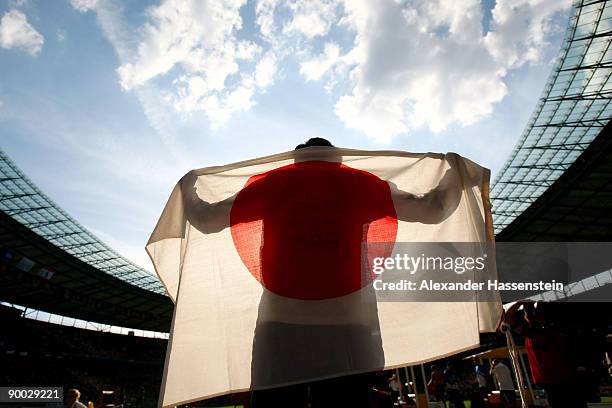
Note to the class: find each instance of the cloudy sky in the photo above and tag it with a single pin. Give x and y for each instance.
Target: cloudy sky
(106, 103)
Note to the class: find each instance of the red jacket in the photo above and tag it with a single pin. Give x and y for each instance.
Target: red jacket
(548, 353)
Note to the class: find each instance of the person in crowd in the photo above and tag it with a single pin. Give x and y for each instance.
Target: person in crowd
(452, 382)
(503, 379)
(381, 397)
(435, 386)
(482, 386)
(394, 387)
(72, 399)
(548, 352)
(482, 377)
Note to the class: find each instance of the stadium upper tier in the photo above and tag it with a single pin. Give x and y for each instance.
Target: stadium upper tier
(49, 262)
(23, 201)
(573, 111)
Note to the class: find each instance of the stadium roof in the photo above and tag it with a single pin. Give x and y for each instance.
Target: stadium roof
(577, 206)
(573, 111)
(24, 202)
(48, 261)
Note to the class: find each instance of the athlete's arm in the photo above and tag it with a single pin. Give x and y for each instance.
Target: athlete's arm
(204, 216)
(213, 217)
(432, 207)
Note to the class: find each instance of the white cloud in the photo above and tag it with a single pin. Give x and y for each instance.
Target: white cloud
(519, 29)
(409, 64)
(311, 18)
(264, 17)
(197, 41)
(110, 18)
(407, 75)
(84, 5)
(16, 32)
(197, 36)
(314, 68)
(220, 108)
(265, 70)
(428, 64)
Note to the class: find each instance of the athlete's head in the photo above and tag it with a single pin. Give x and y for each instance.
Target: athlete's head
(330, 155)
(314, 141)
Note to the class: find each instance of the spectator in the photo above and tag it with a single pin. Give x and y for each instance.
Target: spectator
(381, 394)
(452, 381)
(481, 376)
(482, 381)
(503, 378)
(548, 353)
(72, 399)
(394, 386)
(435, 385)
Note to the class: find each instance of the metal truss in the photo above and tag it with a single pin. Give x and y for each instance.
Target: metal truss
(24, 202)
(574, 108)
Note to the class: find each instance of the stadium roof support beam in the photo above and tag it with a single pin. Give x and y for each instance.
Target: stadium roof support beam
(88, 279)
(577, 206)
(575, 107)
(24, 202)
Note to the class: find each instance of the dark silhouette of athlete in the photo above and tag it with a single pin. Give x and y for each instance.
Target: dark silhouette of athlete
(300, 230)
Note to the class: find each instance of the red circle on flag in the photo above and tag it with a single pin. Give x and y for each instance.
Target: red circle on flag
(300, 229)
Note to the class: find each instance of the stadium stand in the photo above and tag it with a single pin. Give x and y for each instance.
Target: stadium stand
(34, 353)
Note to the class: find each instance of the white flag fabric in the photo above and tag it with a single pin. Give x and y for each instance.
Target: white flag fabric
(262, 259)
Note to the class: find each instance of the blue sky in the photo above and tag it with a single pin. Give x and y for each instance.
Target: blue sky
(105, 104)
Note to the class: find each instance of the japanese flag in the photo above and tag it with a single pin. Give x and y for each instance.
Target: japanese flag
(263, 260)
